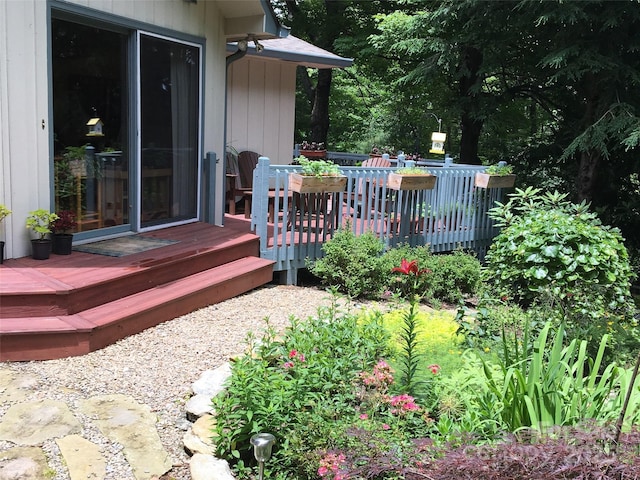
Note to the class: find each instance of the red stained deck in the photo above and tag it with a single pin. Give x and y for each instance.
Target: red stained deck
(73, 304)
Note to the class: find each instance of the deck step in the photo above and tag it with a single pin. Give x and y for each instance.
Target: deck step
(50, 337)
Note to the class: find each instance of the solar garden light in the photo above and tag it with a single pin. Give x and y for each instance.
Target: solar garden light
(262, 443)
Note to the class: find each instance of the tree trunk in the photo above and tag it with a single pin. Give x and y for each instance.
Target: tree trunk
(588, 159)
(320, 111)
(471, 125)
(585, 180)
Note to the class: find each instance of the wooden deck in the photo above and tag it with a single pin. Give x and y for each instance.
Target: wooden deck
(73, 304)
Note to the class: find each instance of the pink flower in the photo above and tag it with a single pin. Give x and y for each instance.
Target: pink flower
(293, 353)
(435, 368)
(288, 365)
(322, 471)
(385, 426)
(301, 357)
(363, 416)
(405, 403)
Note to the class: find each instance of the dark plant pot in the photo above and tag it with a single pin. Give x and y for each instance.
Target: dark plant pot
(1, 252)
(62, 243)
(40, 249)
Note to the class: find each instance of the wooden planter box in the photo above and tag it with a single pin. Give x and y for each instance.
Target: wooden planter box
(399, 181)
(314, 153)
(486, 180)
(312, 184)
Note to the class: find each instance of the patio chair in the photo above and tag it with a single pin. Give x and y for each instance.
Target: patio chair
(369, 191)
(240, 176)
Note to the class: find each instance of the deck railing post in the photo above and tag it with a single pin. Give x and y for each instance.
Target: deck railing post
(208, 194)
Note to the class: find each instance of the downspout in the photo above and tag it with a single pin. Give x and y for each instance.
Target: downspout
(237, 55)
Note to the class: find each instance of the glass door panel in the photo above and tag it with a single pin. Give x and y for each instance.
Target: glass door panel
(169, 130)
(91, 128)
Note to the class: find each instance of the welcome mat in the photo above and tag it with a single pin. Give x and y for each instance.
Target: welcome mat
(122, 246)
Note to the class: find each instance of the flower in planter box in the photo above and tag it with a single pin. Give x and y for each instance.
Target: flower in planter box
(305, 145)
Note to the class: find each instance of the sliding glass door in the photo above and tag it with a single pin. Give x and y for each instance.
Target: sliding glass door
(126, 111)
(169, 135)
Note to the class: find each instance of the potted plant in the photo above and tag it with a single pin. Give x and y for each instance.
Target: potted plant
(39, 222)
(313, 149)
(4, 212)
(411, 178)
(317, 176)
(61, 229)
(499, 175)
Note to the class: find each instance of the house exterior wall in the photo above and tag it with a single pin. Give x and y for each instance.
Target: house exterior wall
(261, 107)
(25, 130)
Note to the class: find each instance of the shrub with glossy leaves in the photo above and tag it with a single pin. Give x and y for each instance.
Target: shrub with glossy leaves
(558, 253)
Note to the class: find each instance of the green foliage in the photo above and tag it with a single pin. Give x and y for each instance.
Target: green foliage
(39, 221)
(549, 383)
(317, 168)
(556, 253)
(4, 212)
(499, 169)
(352, 264)
(358, 266)
(314, 387)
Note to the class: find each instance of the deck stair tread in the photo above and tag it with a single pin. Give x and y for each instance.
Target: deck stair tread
(151, 298)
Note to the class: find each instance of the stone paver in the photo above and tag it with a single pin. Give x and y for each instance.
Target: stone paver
(123, 420)
(31, 423)
(82, 457)
(23, 463)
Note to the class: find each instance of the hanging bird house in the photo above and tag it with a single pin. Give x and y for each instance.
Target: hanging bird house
(437, 142)
(95, 127)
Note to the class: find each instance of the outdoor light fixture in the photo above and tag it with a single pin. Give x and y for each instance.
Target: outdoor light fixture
(262, 444)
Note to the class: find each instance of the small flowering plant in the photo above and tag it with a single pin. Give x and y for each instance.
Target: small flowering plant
(65, 222)
(411, 281)
(313, 146)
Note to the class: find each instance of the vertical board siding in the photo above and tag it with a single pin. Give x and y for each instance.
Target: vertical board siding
(292, 227)
(261, 107)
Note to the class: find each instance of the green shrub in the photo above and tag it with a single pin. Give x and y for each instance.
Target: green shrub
(451, 277)
(298, 386)
(454, 276)
(352, 264)
(556, 253)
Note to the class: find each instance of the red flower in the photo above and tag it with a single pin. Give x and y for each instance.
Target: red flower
(435, 368)
(410, 268)
(293, 353)
(407, 268)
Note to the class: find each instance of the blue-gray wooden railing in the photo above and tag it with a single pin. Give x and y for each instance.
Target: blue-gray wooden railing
(293, 227)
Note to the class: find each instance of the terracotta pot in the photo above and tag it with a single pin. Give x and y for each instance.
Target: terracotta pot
(314, 153)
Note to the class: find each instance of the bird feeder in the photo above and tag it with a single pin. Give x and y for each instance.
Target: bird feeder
(437, 142)
(95, 127)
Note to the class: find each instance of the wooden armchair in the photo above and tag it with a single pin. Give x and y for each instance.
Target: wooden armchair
(240, 180)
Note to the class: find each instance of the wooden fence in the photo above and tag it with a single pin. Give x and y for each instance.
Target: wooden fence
(293, 227)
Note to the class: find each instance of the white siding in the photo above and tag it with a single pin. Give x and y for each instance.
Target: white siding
(261, 108)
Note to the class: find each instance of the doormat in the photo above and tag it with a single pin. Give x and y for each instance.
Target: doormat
(122, 246)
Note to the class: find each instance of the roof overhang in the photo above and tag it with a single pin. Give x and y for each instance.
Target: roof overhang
(249, 19)
(295, 50)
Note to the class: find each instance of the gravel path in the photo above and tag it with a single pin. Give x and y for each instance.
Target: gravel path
(158, 366)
